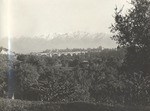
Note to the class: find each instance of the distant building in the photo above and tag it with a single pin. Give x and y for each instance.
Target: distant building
(85, 64)
(71, 52)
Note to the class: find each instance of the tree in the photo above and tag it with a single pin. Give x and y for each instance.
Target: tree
(56, 84)
(132, 31)
(3, 75)
(25, 77)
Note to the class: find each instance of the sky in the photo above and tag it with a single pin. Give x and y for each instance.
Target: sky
(41, 17)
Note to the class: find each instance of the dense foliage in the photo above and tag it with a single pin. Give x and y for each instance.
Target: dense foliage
(132, 31)
(91, 77)
(87, 77)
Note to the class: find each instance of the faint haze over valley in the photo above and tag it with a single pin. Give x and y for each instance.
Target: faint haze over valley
(59, 41)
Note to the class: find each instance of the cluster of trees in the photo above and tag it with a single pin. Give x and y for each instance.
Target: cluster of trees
(82, 77)
(111, 76)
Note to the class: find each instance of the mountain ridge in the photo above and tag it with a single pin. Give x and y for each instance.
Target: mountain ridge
(59, 41)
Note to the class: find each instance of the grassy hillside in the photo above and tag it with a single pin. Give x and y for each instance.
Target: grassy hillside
(18, 105)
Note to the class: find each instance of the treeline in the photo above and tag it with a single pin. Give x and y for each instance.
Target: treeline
(98, 49)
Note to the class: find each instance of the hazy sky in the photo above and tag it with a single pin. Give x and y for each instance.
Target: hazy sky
(36, 17)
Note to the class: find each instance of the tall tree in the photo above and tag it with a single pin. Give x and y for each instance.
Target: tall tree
(25, 76)
(3, 75)
(132, 30)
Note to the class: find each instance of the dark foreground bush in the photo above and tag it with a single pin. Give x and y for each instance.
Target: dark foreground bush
(18, 105)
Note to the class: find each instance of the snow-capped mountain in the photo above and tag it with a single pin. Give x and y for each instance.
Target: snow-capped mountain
(59, 41)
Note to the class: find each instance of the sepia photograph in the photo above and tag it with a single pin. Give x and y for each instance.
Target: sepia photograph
(74, 55)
